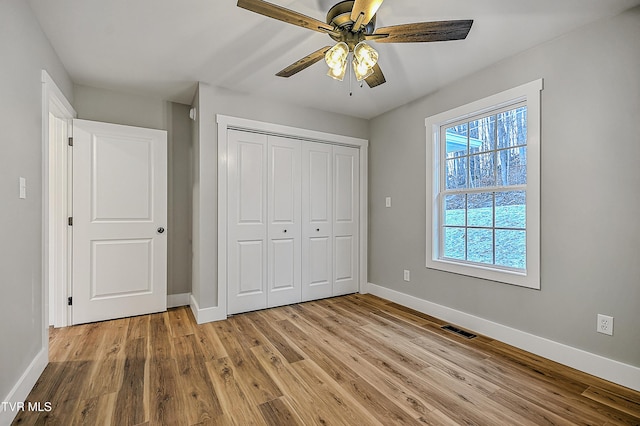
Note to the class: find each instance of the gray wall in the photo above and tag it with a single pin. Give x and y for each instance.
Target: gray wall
(123, 108)
(211, 101)
(590, 205)
(25, 52)
(180, 204)
(96, 104)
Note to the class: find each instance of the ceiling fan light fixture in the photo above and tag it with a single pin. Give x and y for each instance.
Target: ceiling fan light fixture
(361, 70)
(338, 72)
(365, 54)
(336, 57)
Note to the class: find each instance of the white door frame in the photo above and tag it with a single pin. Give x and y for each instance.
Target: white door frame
(227, 122)
(55, 243)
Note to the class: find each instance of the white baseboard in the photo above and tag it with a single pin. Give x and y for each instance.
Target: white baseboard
(175, 300)
(599, 366)
(204, 315)
(24, 385)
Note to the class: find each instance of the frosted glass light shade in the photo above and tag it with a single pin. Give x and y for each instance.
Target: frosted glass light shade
(337, 55)
(338, 72)
(365, 54)
(361, 70)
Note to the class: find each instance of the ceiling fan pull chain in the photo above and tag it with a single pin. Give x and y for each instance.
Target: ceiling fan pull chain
(350, 77)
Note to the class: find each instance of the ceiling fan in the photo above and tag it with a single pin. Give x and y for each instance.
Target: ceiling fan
(350, 23)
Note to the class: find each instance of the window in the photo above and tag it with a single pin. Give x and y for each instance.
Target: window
(483, 210)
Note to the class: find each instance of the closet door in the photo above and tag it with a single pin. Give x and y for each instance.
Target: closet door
(317, 221)
(346, 214)
(247, 222)
(284, 222)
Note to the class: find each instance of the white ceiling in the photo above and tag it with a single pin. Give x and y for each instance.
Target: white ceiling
(161, 48)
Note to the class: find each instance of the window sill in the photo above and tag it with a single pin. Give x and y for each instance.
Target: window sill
(521, 279)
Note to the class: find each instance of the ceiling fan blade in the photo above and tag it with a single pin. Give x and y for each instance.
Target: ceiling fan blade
(423, 32)
(366, 7)
(304, 63)
(283, 14)
(377, 78)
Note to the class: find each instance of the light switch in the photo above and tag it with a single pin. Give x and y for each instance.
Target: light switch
(387, 202)
(23, 188)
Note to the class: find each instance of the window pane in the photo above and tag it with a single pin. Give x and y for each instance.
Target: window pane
(482, 173)
(457, 141)
(456, 173)
(511, 209)
(480, 209)
(511, 248)
(454, 247)
(454, 209)
(482, 134)
(512, 166)
(512, 128)
(480, 245)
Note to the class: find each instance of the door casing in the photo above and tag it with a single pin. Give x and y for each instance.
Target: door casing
(56, 199)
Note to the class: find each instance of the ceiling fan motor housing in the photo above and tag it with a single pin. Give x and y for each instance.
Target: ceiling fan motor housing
(339, 16)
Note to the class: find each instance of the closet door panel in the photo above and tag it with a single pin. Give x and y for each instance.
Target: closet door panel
(317, 219)
(284, 219)
(247, 221)
(346, 219)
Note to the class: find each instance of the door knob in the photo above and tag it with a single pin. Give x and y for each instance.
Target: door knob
(285, 231)
(160, 230)
(317, 229)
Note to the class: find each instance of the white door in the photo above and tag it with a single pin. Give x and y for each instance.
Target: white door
(317, 222)
(247, 221)
(283, 200)
(346, 196)
(119, 214)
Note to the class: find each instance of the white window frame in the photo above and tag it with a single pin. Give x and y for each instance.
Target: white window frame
(530, 277)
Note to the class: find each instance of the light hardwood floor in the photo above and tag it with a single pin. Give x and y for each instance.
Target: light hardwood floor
(352, 360)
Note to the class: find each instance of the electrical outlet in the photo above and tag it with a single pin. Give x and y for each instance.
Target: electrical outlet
(605, 324)
(387, 202)
(407, 275)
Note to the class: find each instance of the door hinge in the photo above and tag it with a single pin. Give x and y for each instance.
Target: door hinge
(70, 141)
(69, 301)
(70, 221)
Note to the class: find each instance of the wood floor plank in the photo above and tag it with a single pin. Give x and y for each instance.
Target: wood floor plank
(511, 378)
(160, 340)
(342, 406)
(261, 387)
(200, 397)
(246, 332)
(180, 322)
(64, 347)
(534, 412)
(305, 403)
(349, 360)
(324, 325)
(166, 403)
(138, 327)
(626, 405)
(366, 394)
(276, 339)
(131, 401)
(210, 344)
(468, 403)
(96, 411)
(237, 408)
(277, 412)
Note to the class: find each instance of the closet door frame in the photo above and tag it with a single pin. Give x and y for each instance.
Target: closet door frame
(226, 123)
